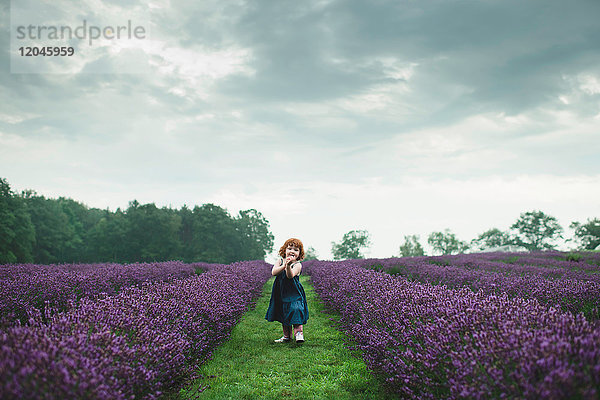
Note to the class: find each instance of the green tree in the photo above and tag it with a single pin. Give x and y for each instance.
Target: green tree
(152, 233)
(535, 230)
(76, 214)
(411, 247)
(446, 243)
(310, 253)
(257, 239)
(215, 238)
(82, 219)
(186, 233)
(588, 234)
(36, 229)
(89, 218)
(107, 239)
(55, 237)
(17, 233)
(351, 246)
(490, 239)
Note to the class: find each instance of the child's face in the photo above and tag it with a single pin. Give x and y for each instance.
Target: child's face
(292, 251)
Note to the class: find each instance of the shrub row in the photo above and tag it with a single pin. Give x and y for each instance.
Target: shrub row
(430, 341)
(130, 345)
(571, 290)
(28, 289)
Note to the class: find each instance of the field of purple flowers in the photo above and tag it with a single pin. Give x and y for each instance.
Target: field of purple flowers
(28, 290)
(431, 341)
(548, 277)
(136, 343)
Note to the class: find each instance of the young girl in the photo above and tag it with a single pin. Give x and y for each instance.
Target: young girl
(288, 301)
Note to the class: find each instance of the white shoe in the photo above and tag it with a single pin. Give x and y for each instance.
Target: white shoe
(299, 337)
(282, 339)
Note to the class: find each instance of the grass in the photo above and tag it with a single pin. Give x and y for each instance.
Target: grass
(251, 366)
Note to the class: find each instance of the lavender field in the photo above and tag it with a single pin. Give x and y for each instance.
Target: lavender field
(38, 291)
(471, 326)
(134, 333)
(549, 277)
(494, 325)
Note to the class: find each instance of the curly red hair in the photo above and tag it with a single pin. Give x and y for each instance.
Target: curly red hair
(295, 242)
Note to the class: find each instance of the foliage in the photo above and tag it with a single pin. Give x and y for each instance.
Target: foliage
(351, 246)
(17, 234)
(42, 230)
(573, 257)
(131, 345)
(534, 230)
(549, 277)
(152, 233)
(257, 240)
(432, 342)
(310, 253)
(107, 239)
(490, 239)
(411, 247)
(446, 243)
(55, 237)
(588, 234)
(44, 290)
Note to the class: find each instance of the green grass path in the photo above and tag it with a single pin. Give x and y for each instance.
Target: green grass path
(251, 366)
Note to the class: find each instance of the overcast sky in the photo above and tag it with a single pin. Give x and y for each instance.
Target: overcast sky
(398, 117)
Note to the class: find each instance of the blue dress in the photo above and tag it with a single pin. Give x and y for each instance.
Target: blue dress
(288, 301)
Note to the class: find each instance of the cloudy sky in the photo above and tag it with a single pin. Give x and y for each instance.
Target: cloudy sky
(398, 117)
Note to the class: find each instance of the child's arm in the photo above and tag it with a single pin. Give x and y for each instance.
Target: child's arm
(291, 272)
(277, 268)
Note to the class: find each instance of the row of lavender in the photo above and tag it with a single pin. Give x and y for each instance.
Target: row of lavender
(430, 341)
(133, 344)
(35, 289)
(554, 264)
(576, 260)
(574, 286)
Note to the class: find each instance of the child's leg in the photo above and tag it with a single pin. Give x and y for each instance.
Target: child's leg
(297, 328)
(287, 330)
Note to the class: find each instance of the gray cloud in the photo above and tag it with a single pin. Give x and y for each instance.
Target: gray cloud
(317, 71)
(509, 56)
(420, 107)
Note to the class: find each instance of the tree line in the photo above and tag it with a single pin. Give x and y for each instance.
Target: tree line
(532, 231)
(35, 229)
